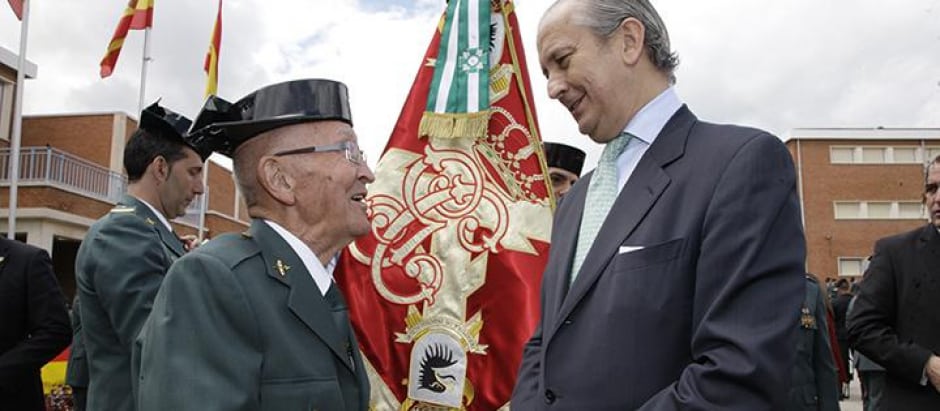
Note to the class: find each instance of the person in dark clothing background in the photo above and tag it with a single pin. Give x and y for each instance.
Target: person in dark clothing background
(34, 324)
(840, 306)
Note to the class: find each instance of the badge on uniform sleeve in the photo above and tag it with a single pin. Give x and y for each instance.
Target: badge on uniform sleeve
(281, 267)
(807, 320)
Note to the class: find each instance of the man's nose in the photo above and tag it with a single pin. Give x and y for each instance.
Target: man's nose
(200, 187)
(365, 173)
(556, 87)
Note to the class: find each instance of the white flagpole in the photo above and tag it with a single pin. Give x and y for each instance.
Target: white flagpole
(143, 71)
(17, 121)
(205, 201)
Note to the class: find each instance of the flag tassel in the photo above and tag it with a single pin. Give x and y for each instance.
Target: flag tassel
(454, 125)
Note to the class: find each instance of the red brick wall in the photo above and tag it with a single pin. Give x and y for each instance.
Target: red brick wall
(56, 199)
(823, 183)
(88, 136)
(221, 190)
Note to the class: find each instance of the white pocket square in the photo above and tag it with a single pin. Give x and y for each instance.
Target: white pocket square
(629, 249)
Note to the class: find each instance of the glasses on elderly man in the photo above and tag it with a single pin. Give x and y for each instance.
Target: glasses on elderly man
(353, 154)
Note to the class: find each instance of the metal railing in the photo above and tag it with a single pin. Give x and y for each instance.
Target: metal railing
(48, 166)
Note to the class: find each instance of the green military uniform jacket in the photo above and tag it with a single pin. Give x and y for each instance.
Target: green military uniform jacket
(241, 325)
(814, 382)
(118, 270)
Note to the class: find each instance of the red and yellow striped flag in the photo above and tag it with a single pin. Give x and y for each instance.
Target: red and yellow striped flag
(17, 6)
(211, 65)
(137, 16)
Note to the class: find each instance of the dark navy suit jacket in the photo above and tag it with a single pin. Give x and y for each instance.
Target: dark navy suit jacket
(701, 317)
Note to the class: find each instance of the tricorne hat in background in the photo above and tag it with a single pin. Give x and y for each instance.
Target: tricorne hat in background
(277, 105)
(215, 110)
(564, 157)
(163, 122)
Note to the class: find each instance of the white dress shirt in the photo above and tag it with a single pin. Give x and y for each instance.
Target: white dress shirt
(323, 276)
(159, 215)
(645, 126)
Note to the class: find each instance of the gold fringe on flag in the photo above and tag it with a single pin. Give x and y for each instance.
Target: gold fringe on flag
(454, 125)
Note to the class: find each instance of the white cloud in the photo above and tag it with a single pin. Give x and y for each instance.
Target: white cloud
(770, 64)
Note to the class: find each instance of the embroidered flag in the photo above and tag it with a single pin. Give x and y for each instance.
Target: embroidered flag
(17, 6)
(137, 16)
(444, 292)
(211, 65)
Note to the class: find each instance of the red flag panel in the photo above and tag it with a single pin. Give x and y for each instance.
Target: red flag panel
(137, 16)
(448, 282)
(17, 6)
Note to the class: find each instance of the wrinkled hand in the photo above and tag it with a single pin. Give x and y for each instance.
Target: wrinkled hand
(190, 242)
(933, 371)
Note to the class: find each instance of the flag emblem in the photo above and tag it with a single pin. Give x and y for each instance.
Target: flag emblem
(447, 281)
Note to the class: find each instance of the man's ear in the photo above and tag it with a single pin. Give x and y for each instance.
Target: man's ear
(275, 179)
(633, 36)
(160, 168)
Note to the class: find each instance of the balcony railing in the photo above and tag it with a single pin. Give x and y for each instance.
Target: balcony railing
(48, 166)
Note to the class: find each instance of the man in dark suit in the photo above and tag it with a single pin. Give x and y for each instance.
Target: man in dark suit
(894, 319)
(675, 274)
(34, 323)
(840, 309)
(254, 321)
(126, 253)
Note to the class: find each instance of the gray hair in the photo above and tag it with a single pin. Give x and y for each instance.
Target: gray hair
(604, 16)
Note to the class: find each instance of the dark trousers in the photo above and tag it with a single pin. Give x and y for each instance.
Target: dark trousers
(79, 396)
(873, 383)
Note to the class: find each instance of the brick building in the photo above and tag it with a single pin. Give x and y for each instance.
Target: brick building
(858, 185)
(71, 173)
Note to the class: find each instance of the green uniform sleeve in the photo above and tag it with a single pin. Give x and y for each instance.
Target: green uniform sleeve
(130, 263)
(200, 347)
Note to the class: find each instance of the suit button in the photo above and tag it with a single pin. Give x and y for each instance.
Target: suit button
(567, 321)
(549, 396)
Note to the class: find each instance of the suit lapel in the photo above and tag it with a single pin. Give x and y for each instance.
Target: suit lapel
(566, 222)
(4, 251)
(304, 298)
(930, 247)
(644, 187)
(170, 240)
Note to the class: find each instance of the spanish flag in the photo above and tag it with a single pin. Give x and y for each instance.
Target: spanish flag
(444, 292)
(211, 66)
(137, 16)
(17, 6)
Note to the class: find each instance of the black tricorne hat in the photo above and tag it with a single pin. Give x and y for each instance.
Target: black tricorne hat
(161, 121)
(215, 110)
(278, 105)
(564, 157)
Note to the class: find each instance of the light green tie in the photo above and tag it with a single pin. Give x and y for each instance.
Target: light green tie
(601, 195)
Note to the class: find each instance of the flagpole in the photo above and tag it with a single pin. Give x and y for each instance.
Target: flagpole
(17, 121)
(143, 71)
(205, 200)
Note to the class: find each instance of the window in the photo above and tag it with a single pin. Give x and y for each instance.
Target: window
(910, 209)
(905, 155)
(880, 154)
(878, 210)
(873, 155)
(846, 210)
(842, 155)
(881, 210)
(850, 266)
(932, 153)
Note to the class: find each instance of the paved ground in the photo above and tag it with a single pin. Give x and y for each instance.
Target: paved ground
(854, 403)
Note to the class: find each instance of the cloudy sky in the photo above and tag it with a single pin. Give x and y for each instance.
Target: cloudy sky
(772, 64)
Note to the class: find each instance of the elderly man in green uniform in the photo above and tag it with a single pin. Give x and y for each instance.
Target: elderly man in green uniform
(254, 321)
(126, 253)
